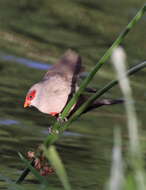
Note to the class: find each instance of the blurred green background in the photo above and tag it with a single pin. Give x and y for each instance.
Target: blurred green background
(33, 35)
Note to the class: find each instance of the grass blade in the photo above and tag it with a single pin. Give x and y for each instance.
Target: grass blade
(117, 173)
(40, 178)
(57, 164)
(24, 174)
(135, 155)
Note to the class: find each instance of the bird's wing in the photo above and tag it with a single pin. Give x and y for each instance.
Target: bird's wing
(54, 94)
(69, 66)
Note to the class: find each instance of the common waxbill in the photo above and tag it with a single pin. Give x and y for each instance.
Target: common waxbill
(52, 93)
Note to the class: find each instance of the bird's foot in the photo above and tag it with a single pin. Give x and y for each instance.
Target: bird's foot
(60, 119)
(50, 129)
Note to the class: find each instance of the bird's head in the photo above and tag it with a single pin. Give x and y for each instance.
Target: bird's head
(30, 98)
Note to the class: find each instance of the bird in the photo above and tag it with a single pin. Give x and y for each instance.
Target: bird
(58, 85)
(52, 93)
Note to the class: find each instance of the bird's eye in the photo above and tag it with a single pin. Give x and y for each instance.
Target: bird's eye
(31, 95)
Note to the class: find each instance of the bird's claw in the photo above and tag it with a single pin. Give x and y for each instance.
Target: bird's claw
(60, 119)
(50, 129)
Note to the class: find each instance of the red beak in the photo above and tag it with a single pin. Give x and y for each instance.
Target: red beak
(26, 104)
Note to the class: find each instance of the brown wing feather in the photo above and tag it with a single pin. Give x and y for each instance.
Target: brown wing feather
(68, 66)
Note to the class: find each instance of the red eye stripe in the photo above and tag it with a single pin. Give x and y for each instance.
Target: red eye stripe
(31, 95)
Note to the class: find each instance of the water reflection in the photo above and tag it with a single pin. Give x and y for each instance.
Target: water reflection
(66, 133)
(8, 122)
(24, 61)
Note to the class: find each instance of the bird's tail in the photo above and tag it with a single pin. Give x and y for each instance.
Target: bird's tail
(104, 102)
(95, 104)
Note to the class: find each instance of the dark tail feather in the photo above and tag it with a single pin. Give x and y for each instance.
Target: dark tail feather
(104, 102)
(95, 104)
(91, 90)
